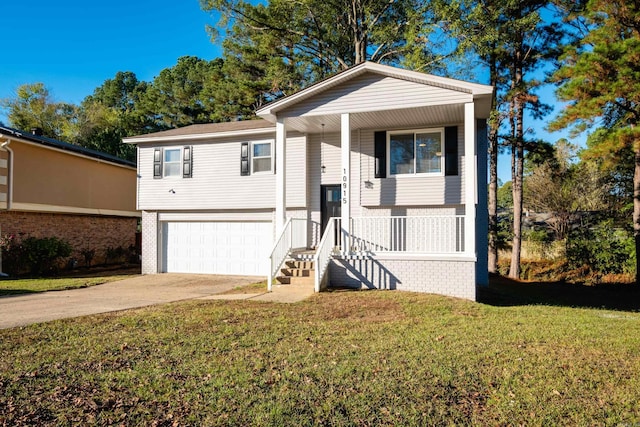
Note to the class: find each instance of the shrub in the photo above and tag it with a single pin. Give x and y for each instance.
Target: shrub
(12, 260)
(604, 248)
(114, 255)
(35, 255)
(88, 255)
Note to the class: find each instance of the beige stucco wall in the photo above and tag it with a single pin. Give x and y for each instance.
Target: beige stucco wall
(63, 181)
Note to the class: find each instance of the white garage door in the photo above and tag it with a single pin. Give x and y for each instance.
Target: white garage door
(217, 247)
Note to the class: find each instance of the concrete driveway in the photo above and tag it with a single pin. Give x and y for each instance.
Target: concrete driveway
(114, 296)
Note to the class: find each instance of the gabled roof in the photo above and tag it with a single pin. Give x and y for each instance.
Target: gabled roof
(64, 146)
(205, 131)
(476, 90)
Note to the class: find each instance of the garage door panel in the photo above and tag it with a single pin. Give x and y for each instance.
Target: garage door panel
(217, 247)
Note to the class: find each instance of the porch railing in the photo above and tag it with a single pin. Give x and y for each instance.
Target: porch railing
(293, 236)
(326, 248)
(413, 234)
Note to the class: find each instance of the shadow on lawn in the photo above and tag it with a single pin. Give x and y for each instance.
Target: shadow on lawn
(80, 273)
(505, 292)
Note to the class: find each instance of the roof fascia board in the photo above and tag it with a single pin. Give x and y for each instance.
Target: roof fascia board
(199, 136)
(37, 207)
(72, 153)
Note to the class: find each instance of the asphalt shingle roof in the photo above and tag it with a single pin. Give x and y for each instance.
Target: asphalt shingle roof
(65, 146)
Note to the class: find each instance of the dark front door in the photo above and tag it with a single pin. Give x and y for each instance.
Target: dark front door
(330, 203)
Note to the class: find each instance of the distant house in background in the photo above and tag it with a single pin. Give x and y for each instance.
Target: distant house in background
(50, 188)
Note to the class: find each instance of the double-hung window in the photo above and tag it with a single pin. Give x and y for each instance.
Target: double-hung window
(261, 158)
(416, 152)
(172, 162)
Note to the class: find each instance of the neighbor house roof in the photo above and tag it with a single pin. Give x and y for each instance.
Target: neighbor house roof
(33, 137)
(205, 131)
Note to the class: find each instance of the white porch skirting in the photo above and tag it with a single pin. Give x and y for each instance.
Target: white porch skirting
(451, 277)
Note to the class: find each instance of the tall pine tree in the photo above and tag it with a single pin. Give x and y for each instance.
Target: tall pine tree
(599, 79)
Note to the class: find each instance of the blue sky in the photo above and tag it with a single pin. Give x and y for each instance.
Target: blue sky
(74, 46)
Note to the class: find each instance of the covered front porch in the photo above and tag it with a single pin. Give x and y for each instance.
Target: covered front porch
(402, 238)
(354, 105)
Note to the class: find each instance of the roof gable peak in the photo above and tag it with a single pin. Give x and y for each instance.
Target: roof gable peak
(270, 110)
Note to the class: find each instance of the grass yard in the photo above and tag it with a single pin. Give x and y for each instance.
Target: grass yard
(342, 358)
(27, 286)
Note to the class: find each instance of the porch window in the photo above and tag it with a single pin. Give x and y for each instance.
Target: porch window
(261, 158)
(416, 152)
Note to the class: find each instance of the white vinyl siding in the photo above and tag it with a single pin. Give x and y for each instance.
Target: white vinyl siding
(407, 190)
(373, 92)
(216, 181)
(330, 156)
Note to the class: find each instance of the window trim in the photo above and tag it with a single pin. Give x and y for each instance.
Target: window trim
(177, 162)
(253, 157)
(440, 130)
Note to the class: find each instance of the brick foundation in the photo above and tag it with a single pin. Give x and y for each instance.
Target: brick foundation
(91, 232)
(149, 242)
(445, 277)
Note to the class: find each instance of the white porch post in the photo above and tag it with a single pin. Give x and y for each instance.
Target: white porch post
(281, 178)
(470, 179)
(345, 148)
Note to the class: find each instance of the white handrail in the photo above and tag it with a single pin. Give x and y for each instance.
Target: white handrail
(323, 252)
(294, 235)
(279, 253)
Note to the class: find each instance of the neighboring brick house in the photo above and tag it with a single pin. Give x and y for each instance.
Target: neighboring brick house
(50, 188)
(379, 172)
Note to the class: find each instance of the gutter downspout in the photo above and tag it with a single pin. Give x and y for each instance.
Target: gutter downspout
(5, 146)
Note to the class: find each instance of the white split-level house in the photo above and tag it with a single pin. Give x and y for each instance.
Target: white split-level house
(379, 172)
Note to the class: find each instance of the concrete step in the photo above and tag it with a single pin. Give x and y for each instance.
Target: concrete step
(298, 264)
(303, 254)
(297, 272)
(296, 280)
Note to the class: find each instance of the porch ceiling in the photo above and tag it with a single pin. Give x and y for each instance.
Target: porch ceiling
(388, 119)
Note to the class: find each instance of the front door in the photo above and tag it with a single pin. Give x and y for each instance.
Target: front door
(330, 203)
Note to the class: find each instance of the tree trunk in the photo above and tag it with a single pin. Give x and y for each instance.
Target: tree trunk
(636, 208)
(517, 171)
(494, 124)
(516, 247)
(493, 200)
(517, 162)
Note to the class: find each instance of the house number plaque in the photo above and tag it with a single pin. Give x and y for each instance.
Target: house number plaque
(345, 186)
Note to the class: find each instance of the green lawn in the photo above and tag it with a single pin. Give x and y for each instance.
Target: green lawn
(342, 358)
(26, 286)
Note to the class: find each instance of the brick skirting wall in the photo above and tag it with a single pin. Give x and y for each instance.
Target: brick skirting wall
(150, 242)
(454, 278)
(92, 232)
